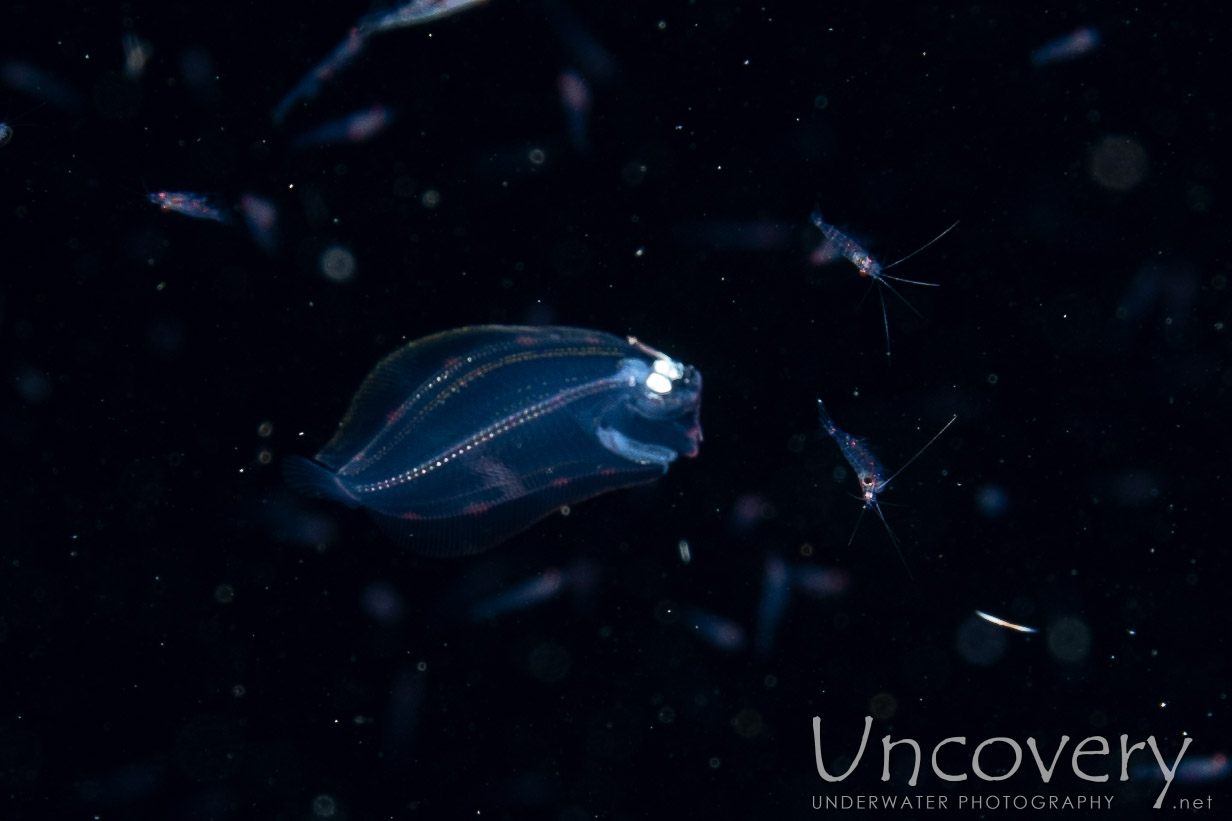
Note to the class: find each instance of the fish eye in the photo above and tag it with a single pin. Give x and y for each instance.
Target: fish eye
(658, 383)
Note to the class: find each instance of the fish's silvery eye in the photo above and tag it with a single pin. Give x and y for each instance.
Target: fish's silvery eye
(668, 368)
(658, 383)
(661, 388)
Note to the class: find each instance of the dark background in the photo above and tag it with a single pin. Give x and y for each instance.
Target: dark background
(180, 637)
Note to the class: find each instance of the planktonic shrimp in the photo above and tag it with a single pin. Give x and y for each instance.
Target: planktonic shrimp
(869, 267)
(869, 471)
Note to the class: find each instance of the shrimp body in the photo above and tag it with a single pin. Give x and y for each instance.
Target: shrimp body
(190, 204)
(868, 266)
(869, 471)
(848, 248)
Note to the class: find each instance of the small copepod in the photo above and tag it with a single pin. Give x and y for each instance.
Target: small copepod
(310, 84)
(357, 127)
(718, 631)
(575, 99)
(844, 246)
(414, 13)
(261, 215)
(869, 472)
(780, 584)
(34, 82)
(1078, 43)
(541, 587)
(137, 54)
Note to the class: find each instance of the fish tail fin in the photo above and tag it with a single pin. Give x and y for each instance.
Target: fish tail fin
(315, 481)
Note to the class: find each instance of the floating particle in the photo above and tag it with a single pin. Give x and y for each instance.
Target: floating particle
(1021, 628)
